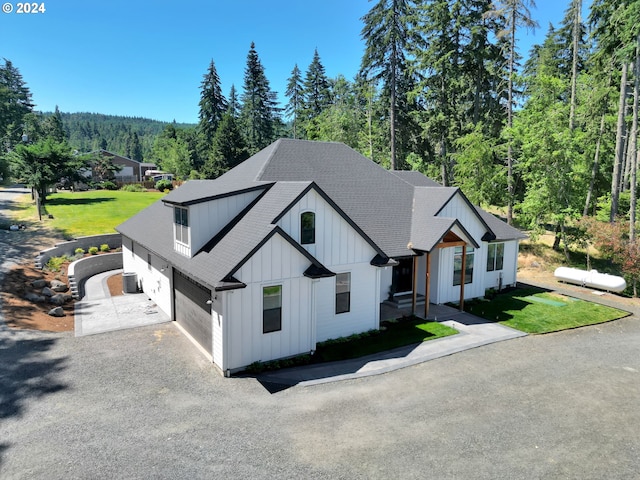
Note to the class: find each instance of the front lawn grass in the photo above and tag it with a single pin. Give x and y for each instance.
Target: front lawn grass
(77, 214)
(541, 312)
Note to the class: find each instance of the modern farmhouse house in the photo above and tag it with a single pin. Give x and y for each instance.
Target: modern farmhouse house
(301, 243)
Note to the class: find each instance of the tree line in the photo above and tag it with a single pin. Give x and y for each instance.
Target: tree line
(442, 89)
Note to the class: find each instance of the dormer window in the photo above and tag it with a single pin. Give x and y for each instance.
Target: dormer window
(181, 224)
(307, 228)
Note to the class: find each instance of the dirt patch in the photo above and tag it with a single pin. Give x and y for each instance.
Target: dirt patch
(18, 312)
(114, 283)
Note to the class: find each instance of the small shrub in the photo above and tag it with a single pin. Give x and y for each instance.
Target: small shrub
(93, 250)
(133, 187)
(104, 247)
(108, 185)
(55, 263)
(79, 251)
(163, 185)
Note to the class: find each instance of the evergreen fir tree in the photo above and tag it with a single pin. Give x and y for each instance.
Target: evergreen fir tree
(53, 127)
(259, 114)
(15, 103)
(212, 103)
(228, 149)
(317, 94)
(389, 36)
(233, 107)
(295, 93)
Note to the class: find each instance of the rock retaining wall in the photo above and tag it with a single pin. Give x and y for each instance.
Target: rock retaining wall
(114, 240)
(86, 267)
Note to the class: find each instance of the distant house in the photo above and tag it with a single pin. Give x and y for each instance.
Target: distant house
(301, 243)
(132, 170)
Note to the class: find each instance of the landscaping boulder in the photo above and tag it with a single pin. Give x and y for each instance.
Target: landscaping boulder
(47, 292)
(60, 299)
(41, 283)
(58, 286)
(56, 312)
(34, 297)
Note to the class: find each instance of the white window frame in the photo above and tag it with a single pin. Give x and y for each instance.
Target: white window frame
(264, 310)
(343, 290)
(494, 266)
(181, 225)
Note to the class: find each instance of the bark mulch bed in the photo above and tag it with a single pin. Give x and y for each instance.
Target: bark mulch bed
(22, 314)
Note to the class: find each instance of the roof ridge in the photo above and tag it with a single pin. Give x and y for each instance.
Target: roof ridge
(276, 145)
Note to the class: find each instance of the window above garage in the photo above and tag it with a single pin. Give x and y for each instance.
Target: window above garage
(181, 224)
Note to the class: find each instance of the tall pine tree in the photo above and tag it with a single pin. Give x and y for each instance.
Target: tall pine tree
(317, 94)
(15, 103)
(259, 114)
(389, 36)
(212, 103)
(295, 94)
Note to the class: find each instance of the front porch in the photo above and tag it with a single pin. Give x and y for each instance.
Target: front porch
(389, 311)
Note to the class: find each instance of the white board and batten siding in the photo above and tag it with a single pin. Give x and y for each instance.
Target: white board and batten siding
(457, 208)
(277, 262)
(340, 248)
(364, 307)
(509, 266)
(155, 283)
(206, 219)
(336, 242)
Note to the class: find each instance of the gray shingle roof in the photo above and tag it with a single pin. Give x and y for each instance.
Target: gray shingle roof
(393, 209)
(501, 229)
(414, 178)
(222, 257)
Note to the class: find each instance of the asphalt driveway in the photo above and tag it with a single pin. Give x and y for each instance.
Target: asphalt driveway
(142, 403)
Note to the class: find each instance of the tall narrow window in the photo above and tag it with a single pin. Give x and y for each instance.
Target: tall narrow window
(272, 309)
(307, 228)
(181, 221)
(343, 292)
(457, 265)
(495, 257)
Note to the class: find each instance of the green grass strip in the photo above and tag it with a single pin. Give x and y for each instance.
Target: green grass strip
(395, 334)
(533, 310)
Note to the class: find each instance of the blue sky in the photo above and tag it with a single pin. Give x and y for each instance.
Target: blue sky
(146, 57)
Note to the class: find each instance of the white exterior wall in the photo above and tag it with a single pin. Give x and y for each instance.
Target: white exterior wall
(364, 308)
(208, 218)
(156, 284)
(276, 263)
(337, 242)
(218, 329)
(509, 266)
(386, 278)
(340, 248)
(468, 218)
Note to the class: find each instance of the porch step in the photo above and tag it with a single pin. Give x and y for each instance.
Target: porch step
(404, 301)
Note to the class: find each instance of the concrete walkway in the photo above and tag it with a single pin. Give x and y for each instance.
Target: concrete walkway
(474, 332)
(99, 312)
